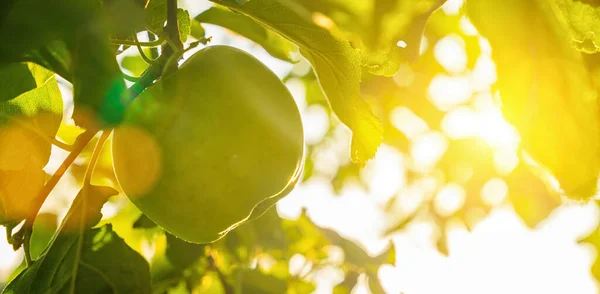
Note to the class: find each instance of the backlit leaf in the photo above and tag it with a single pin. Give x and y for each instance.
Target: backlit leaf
(275, 44)
(545, 89)
(337, 66)
(583, 18)
(373, 26)
(184, 23)
(30, 114)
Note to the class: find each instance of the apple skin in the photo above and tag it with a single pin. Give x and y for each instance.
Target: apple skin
(211, 146)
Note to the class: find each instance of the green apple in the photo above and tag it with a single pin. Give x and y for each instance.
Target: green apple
(211, 146)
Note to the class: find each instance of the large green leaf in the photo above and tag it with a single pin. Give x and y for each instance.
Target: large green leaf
(85, 261)
(545, 89)
(71, 39)
(30, 114)
(274, 43)
(337, 66)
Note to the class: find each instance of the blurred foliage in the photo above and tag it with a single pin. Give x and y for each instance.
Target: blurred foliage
(30, 114)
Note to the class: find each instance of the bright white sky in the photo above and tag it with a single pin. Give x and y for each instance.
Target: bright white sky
(501, 254)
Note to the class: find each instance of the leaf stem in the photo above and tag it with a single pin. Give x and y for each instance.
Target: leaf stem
(87, 179)
(141, 51)
(61, 145)
(80, 143)
(153, 43)
(164, 62)
(153, 50)
(130, 78)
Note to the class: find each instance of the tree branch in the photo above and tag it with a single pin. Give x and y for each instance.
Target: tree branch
(172, 29)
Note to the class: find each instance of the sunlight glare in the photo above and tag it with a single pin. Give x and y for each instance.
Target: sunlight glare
(467, 27)
(449, 199)
(405, 76)
(298, 91)
(494, 191)
(450, 52)
(505, 161)
(427, 149)
(384, 174)
(452, 7)
(424, 45)
(9, 259)
(315, 121)
(460, 172)
(460, 122)
(484, 73)
(496, 131)
(446, 91)
(406, 121)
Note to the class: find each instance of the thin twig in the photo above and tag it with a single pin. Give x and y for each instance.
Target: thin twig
(85, 189)
(213, 265)
(130, 78)
(141, 51)
(152, 43)
(61, 145)
(156, 69)
(79, 145)
(153, 50)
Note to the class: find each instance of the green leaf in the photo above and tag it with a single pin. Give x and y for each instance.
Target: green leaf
(182, 254)
(144, 222)
(30, 114)
(296, 286)
(98, 259)
(373, 26)
(18, 78)
(583, 18)
(73, 42)
(545, 89)
(357, 256)
(272, 42)
(336, 64)
(135, 64)
(346, 286)
(375, 284)
(43, 229)
(532, 199)
(257, 282)
(184, 24)
(124, 17)
(156, 16)
(97, 85)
